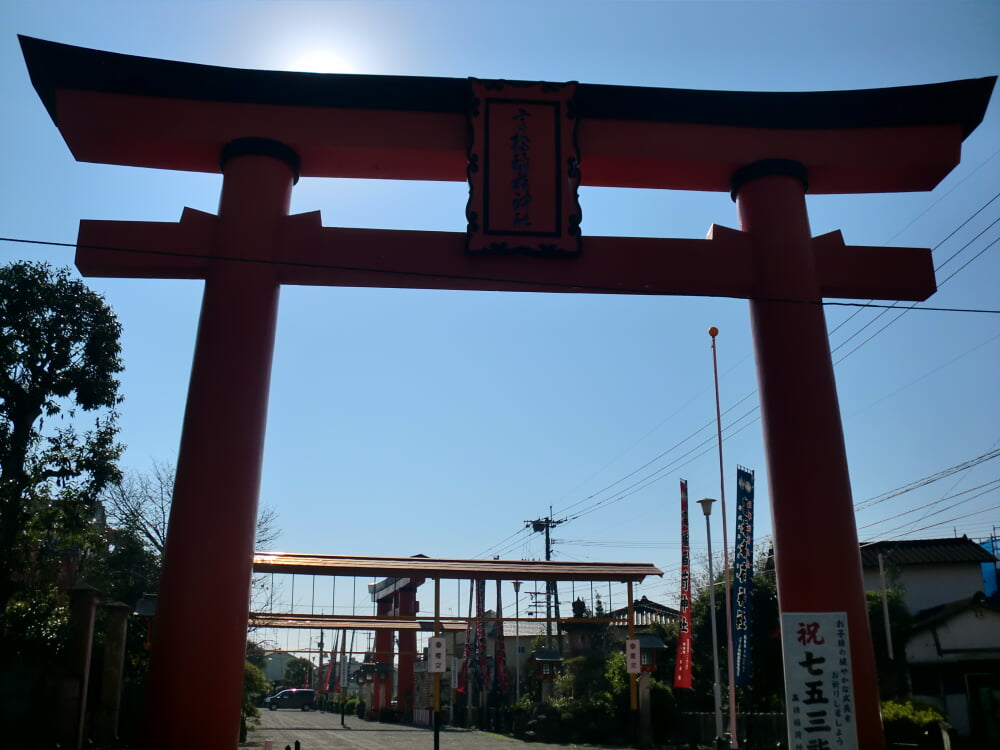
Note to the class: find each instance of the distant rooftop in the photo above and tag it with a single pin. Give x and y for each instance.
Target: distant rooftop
(646, 612)
(925, 552)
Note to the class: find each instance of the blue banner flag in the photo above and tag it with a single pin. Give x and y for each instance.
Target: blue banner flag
(743, 574)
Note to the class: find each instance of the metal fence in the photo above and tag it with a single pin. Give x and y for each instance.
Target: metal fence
(755, 731)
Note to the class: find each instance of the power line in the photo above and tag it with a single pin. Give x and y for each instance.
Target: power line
(930, 479)
(933, 503)
(940, 284)
(465, 277)
(944, 522)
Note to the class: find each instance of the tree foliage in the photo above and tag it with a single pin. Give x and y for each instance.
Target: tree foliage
(767, 678)
(254, 686)
(138, 505)
(297, 672)
(59, 356)
(256, 655)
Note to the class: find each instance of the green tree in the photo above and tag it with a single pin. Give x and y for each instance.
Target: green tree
(59, 355)
(256, 654)
(891, 666)
(254, 686)
(297, 672)
(59, 358)
(767, 679)
(139, 504)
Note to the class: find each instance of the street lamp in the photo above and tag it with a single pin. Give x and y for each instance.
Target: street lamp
(517, 644)
(706, 506)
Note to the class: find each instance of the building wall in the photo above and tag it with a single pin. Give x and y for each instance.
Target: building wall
(274, 666)
(927, 586)
(947, 661)
(966, 636)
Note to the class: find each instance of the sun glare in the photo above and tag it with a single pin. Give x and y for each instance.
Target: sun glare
(317, 60)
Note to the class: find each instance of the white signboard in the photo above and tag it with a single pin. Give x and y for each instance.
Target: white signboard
(633, 658)
(437, 655)
(819, 687)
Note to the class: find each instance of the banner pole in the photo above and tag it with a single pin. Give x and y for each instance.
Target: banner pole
(734, 743)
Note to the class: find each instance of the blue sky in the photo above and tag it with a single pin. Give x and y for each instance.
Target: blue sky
(406, 422)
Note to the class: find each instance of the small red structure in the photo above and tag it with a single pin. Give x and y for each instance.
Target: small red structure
(263, 129)
(395, 597)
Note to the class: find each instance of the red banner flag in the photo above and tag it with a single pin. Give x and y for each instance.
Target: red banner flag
(463, 674)
(682, 669)
(325, 686)
(500, 650)
(480, 667)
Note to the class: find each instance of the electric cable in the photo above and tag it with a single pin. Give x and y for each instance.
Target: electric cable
(553, 285)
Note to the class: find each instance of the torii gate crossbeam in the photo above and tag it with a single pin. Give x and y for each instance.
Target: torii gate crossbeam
(266, 128)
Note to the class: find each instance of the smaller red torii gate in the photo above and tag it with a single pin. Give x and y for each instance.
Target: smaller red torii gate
(263, 129)
(396, 597)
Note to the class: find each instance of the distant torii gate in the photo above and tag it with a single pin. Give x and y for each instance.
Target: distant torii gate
(398, 588)
(263, 129)
(395, 597)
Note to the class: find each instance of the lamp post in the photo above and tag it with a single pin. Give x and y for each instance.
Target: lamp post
(706, 506)
(517, 644)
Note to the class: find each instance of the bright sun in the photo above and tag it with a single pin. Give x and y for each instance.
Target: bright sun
(318, 60)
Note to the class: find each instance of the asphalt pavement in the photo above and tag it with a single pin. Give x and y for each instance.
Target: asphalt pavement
(322, 731)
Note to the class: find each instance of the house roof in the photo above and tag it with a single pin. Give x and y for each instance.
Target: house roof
(925, 552)
(525, 630)
(646, 606)
(546, 654)
(941, 613)
(650, 640)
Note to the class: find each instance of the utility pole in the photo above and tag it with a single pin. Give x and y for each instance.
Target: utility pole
(316, 683)
(551, 589)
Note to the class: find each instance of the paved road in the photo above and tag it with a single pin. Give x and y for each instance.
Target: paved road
(320, 731)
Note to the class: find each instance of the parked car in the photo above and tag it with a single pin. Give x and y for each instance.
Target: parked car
(302, 698)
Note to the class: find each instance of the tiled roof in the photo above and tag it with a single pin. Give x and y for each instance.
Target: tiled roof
(943, 612)
(526, 630)
(925, 552)
(648, 606)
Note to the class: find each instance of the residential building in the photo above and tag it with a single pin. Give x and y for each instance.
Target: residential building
(953, 649)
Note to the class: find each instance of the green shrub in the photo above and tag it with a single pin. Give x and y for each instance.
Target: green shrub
(918, 713)
(254, 685)
(351, 706)
(663, 710)
(908, 721)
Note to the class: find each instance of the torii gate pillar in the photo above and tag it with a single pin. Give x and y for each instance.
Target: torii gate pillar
(395, 597)
(803, 435)
(204, 593)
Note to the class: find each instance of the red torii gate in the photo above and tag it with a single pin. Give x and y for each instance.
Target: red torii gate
(395, 597)
(263, 129)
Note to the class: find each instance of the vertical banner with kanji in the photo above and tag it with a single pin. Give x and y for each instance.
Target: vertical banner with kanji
(344, 667)
(819, 687)
(743, 573)
(330, 676)
(479, 663)
(682, 668)
(523, 169)
(467, 649)
(500, 650)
